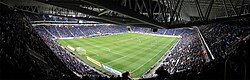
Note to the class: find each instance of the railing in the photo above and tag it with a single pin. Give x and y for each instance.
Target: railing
(204, 42)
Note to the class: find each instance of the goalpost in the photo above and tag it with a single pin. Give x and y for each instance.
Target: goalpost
(81, 51)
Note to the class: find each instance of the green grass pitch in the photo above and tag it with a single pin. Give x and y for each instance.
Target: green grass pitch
(131, 52)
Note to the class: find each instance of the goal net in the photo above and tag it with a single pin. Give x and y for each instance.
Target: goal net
(81, 51)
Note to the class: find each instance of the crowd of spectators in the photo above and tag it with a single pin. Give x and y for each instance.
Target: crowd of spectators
(41, 17)
(72, 62)
(78, 30)
(24, 55)
(68, 58)
(186, 55)
(28, 55)
(187, 52)
(31, 53)
(56, 31)
(175, 32)
(222, 39)
(221, 36)
(187, 58)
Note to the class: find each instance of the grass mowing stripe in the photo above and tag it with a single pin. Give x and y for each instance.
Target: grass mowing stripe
(123, 50)
(119, 41)
(136, 59)
(134, 51)
(147, 50)
(130, 49)
(116, 52)
(149, 64)
(111, 38)
(132, 58)
(148, 60)
(140, 50)
(104, 58)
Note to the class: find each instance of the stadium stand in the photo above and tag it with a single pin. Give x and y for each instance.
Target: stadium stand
(24, 55)
(226, 43)
(221, 36)
(30, 52)
(188, 34)
(78, 31)
(186, 59)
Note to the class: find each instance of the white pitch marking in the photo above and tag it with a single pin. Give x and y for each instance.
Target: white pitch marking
(149, 59)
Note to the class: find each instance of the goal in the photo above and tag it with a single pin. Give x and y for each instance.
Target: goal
(81, 51)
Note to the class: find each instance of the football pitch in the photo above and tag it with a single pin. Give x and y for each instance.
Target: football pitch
(132, 52)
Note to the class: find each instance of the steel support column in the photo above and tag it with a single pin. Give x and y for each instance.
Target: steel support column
(235, 12)
(122, 10)
(225, 6)
(199, 10)
(174, 11)
(209, 9)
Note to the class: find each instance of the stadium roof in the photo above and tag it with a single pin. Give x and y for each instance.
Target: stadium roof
(144, 13)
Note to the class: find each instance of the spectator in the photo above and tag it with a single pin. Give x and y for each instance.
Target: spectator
(126, 76)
